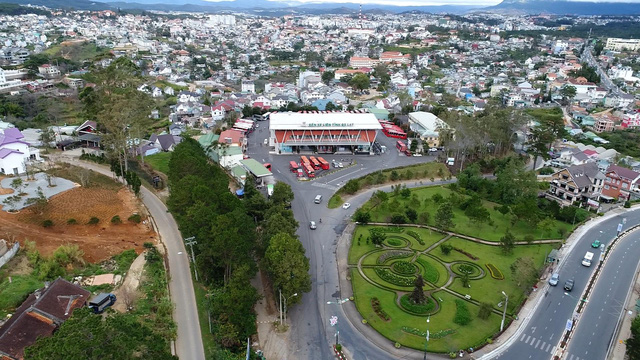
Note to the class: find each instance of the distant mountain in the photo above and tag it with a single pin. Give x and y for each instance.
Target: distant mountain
(566, 7)
(63, 4)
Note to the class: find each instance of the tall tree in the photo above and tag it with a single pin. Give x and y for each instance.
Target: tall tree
(444, 216)
(377, 236)
(507, 243)
(360, 81)
(282, 194)
(288, 266)
(633, 342)
(525, 273)
(417, 295)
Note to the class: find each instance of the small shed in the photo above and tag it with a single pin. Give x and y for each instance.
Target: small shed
(554, 256)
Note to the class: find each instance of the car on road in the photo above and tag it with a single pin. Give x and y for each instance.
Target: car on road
(266, 141)
(568, 285)
(595, 244)
(340, 165)
(433, 149)
(346, 206)
(312, 225)
(554, 279)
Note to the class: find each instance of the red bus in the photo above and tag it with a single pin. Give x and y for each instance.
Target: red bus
(308, 170)
(393, 131)
(293, 166)
(402, 147)
(304, 160)
(323, 163)
(315, 163)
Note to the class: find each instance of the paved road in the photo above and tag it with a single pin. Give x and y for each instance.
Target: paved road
(597, 323)
(189, 341)
(548, 322)
(311, 333)
(605, 81)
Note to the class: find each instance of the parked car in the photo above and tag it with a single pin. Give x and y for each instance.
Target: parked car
(312, 225)
(554, 279)
(568, 285)
(595, 244)
(101, 302)
(346, 206)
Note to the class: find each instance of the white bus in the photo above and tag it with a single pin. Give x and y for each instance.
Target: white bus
(587, 259)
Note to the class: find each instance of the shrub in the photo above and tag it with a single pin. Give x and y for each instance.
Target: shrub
(403, 267)
(47, 223)
(388, 276)
(410, 306)
(338, 347)
(94, 220)
(72, 221)
(434, 335)
(364, 321)
(453, 355)
(546, 171)
(446, 248)
(391, 229)
(377, 308)
(495, 272)
(397, 345)
(416, 236)
(462, 316)
(393, 254)
(398, 219)
(627, 204)
(135, 218)
(394, 242)
(352, 186)
(485, 310)
(361, 216)
(116, 220)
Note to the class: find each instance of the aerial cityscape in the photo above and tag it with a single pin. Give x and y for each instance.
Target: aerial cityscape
(270, 179)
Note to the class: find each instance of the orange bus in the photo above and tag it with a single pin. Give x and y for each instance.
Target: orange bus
(315, 163)
(323, 163)
(304, 160)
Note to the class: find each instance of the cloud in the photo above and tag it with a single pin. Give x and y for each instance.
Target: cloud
(419, 2)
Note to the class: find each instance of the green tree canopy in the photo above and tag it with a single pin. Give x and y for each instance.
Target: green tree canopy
(288, 266)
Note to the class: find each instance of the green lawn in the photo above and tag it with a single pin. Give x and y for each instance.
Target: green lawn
(488, 289)
(422, 203)
(13, 293)
(159, 161)
(387, 286)
(470, 335)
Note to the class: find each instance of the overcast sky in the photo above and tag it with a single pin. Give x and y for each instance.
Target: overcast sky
(424, 2)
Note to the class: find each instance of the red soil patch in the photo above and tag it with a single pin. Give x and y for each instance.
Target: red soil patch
(99, 242)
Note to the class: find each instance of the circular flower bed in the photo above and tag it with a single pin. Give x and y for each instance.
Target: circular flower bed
(395, 241)
(467, 268)
(426, 308)
(403, 268)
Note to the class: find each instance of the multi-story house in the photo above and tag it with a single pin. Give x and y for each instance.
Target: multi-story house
(619, 182)
(578, 183)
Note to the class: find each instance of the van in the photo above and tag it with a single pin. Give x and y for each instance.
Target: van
(588, 257)
(102, 301)
(318, 199)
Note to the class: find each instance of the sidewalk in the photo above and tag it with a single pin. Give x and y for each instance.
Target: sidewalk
(619, 347)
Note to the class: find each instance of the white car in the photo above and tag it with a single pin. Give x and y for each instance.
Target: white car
(340, 165)
(433, 149)
(346, 206)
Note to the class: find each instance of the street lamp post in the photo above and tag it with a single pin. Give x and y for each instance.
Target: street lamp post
(285, 306)
(504, 313)
(575, 298)
(427, 342)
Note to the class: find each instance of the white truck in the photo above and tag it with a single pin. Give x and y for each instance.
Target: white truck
(588, 257)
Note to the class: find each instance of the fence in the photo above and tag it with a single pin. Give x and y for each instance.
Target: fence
(9, 254)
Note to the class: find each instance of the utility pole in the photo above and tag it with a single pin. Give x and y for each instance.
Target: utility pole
(504, 313)
(190, 241)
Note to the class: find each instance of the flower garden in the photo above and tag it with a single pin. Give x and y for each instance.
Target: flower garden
(460, 317)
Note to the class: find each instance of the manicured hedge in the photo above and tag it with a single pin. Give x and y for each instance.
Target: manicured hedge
(391, 229)
(431, 274)
(388, 276)
(495, 272)
(403, 268)
(469, 255)
(394, 242)
(377, 308)
(393, 254)
(408, 304)
(416, 236)
(463, 316)
(433, 335)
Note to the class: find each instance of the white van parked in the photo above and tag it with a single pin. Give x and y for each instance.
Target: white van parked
(588, 257)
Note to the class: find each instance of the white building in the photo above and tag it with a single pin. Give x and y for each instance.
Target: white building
(248, 86)
(428, 126)
(617, 44)
(15, 152)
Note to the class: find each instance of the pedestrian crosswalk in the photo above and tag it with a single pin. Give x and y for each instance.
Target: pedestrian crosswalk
(326, 186)
(537, 343)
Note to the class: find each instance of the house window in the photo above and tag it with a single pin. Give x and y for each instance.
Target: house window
(565, 177)
(608, 179)
(606, 187)
(625, 185)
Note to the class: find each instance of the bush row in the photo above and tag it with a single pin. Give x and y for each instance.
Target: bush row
(416, 236)
(495, 272)
(391, 229)
(469, 255)
(425, 308)
(377, 308)
(393, 254)
(395, 242)
(394, 279)
(435, 335)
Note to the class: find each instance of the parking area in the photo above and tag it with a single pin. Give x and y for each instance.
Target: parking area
(333, 178)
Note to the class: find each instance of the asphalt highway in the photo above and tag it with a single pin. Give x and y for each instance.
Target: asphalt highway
(548, 323)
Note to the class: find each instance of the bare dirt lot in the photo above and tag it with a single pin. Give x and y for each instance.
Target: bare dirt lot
(98, 242)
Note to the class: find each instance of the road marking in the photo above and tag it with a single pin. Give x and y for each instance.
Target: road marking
(547, 349)
(323, 185)
(553, 349)
(528, 337)
(532, 341)
(522, 338)
(538, 343)
(571, 358)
